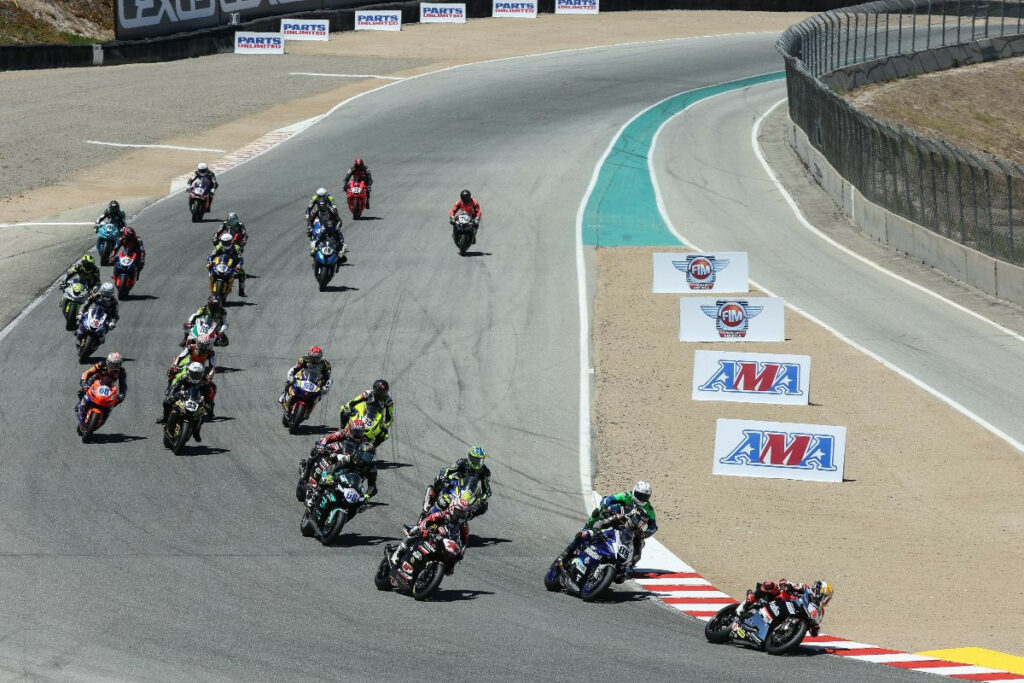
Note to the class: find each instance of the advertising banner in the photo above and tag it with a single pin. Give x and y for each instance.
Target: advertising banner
(378, 20)
(306, 29)
(145, 18)
(442, 13)
(732, 320)
(249, 43)
(521, 10)
(779, 450)
(682, 273)
(751, 377)
(576, 6)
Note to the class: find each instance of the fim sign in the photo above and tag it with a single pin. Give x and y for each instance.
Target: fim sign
(682, 273)
(378, 20)
(751, 377)
(731, 320)
(522, 10)
(779, 450)
(576, 6)
(442, 13)
(250, 43)
(306, 29)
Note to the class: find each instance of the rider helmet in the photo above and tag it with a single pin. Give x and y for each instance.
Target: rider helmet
(321, 192)
(822, 592)
(114, 360)
(465, 196)
(642, 492)
(214, 304)
(129, 233)
(357, 429)
(114, 206)
(315, 353)
(202, 168)
(232, 219)
(459, 509)
(226, 240)
(107, 290)
(88, 258)
(380, 389)
(769, 587)
(476, 456)
(358, 163)
(195, 371)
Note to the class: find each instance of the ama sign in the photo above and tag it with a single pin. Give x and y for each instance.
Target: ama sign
(751, 377)
(250, 43)
(779, 450)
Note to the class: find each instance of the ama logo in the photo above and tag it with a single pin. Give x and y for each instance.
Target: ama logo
(700, 270)
(752, 377)
(790, 450)
(732, 318)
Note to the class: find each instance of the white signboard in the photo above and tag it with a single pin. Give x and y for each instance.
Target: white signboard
(306, 29)
(442, 13)
(751, 377)
(576, 6)
(378, 20)
(522, 10)
(683, 273)
(732, 320)
(249, 43)
(779, 450)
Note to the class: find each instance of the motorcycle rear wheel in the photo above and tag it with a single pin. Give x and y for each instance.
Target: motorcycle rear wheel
(427, 581)
(382, 577)
(717, 628)
(785, 636)
(593, 587)
(551, 581)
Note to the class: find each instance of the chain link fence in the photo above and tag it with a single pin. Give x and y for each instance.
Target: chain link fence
(975, 199)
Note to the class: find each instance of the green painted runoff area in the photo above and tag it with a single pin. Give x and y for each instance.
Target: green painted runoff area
(622, 210)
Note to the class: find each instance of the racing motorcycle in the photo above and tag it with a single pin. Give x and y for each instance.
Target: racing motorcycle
(125, 272)
(463, 231)
(200, 198)
(94, 408)
(321, 459)
(372, 417)
(338, 499)
(303, 393)
(325, 260)
(222, 275)
(187, 411)
(92, 330)
(71, 300)
(204, 328)
(601, 560)
(355, 192)
(777, 627)
(106, 238)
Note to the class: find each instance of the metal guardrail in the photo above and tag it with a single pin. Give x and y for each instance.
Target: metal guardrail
(975, 199)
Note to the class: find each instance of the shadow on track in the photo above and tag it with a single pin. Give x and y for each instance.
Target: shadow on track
(307, 429)
(193, 451)
(224, 370)
(387, 465)
(340, 288)
(112, 437)
(456, 594)
(353, 540)
(140, 297)
(233, 303)
(477, 253)
(486, 541)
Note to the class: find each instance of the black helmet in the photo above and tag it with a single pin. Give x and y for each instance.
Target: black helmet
(114, 206)
(465, 195)
(380, 389)
(214, 303)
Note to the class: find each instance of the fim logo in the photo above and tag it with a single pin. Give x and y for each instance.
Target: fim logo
(732, 318)
(751, 377)
(700, 270)
(786, 450)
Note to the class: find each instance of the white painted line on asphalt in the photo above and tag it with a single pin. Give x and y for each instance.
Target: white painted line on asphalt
(26, 225)
(849, 252)
(384, 78)
(176, 147)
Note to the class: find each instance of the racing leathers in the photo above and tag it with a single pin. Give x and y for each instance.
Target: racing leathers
(305, 362)
(133, 245)
(414, 532)
(108, 302)
(327, 204)
(767, 591)
(197, 175)
(218, 316)
(610, 507)
(359, 174)
(235, 253)
(102, 372)
(182, 381)
(461, 471)
(237, 232)
(346, 451)
(117, 217)
(385, 405)
(87, 271)
(192, 354)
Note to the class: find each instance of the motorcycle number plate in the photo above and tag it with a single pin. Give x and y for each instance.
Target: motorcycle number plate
(221, 268)
(191, 406)
(308, 387)
(103, 391)
(126, 261)
(352, 496)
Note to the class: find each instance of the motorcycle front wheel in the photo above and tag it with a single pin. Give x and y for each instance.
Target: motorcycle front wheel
(786, 636)
(427, 581)
(91, 423)
(297, 416)
(597, 582)
(717, 628)
(181, 437)
(551, 581)
(382, 578)
(332, 534)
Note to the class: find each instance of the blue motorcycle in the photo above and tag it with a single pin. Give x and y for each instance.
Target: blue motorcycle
(92, 330)
(596, 563)
(325, 258)
(777, 627)
(106, 238)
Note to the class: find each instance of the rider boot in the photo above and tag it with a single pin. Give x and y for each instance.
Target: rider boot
(195, 432)
(167, 412)
(570, 549)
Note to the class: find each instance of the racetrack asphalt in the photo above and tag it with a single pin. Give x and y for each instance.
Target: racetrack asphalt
(122, 561)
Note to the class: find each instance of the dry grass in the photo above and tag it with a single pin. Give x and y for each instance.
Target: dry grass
(27, 22)
(975, 107)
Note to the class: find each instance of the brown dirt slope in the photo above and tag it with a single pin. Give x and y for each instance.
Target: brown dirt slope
(928, 515)
(974, 107)
(55, 21)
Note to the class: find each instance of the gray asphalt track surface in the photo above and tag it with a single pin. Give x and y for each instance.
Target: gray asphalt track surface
(719, 196)
(123, 561)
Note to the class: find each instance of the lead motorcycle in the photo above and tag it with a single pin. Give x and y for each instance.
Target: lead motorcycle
(604, 558)
(94, 408)
(777, 626)
(200, 198)
(187, 411)
(92, 330)
(463, 230)
(71, 300)
(106, 237)
(355, 192)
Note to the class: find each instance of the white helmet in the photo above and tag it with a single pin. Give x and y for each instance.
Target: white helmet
(642, 492)
(202, 168)
(321, 192)
(195, 371)
(107, 290)
(226, 240)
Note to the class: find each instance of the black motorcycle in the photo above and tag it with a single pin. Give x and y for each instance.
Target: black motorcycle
(777, 627)
(421, 567)
(187, 412)
(463, 231)
(336, 501)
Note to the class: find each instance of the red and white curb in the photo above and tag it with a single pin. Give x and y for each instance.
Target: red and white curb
(680, 587)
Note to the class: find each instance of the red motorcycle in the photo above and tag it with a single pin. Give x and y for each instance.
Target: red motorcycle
(356, 192)
(126, 272)
(200, 198)
(94, 408)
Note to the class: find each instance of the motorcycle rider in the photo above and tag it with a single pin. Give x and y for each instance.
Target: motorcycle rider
(639, 497)
(215, 311)
(469, 205)
(203, 171)
(314, 360)
(87, 271)
(104, 296)
(130, 241)
(351, 439)
(110, 369)
(767, 591)
(379, 396)
(197, 351)
(359, 171)
(458, 513)
(112, 214)
(325, 201)
(227, 245)
(194, 374)
(235, 228)
(462, 469)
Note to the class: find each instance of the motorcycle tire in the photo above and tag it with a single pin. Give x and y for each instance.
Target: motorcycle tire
(298, 414)
(382, 577)
(593, 588)
(122, 291)
(182, 436)
(776, 644)
(357, 209)
(323, 277)
(91, 424)
(551, 581)
(69, 320)
(306, 527)
(464, 241)
(196, 208)
(300, 490)
(427, 581)
(331, 535)
(717, 628)
(84, 350)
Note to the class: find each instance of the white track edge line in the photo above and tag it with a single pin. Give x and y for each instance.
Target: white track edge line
(149, 146)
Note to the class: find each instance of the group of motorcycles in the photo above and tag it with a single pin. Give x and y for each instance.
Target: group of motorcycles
(327, 243)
